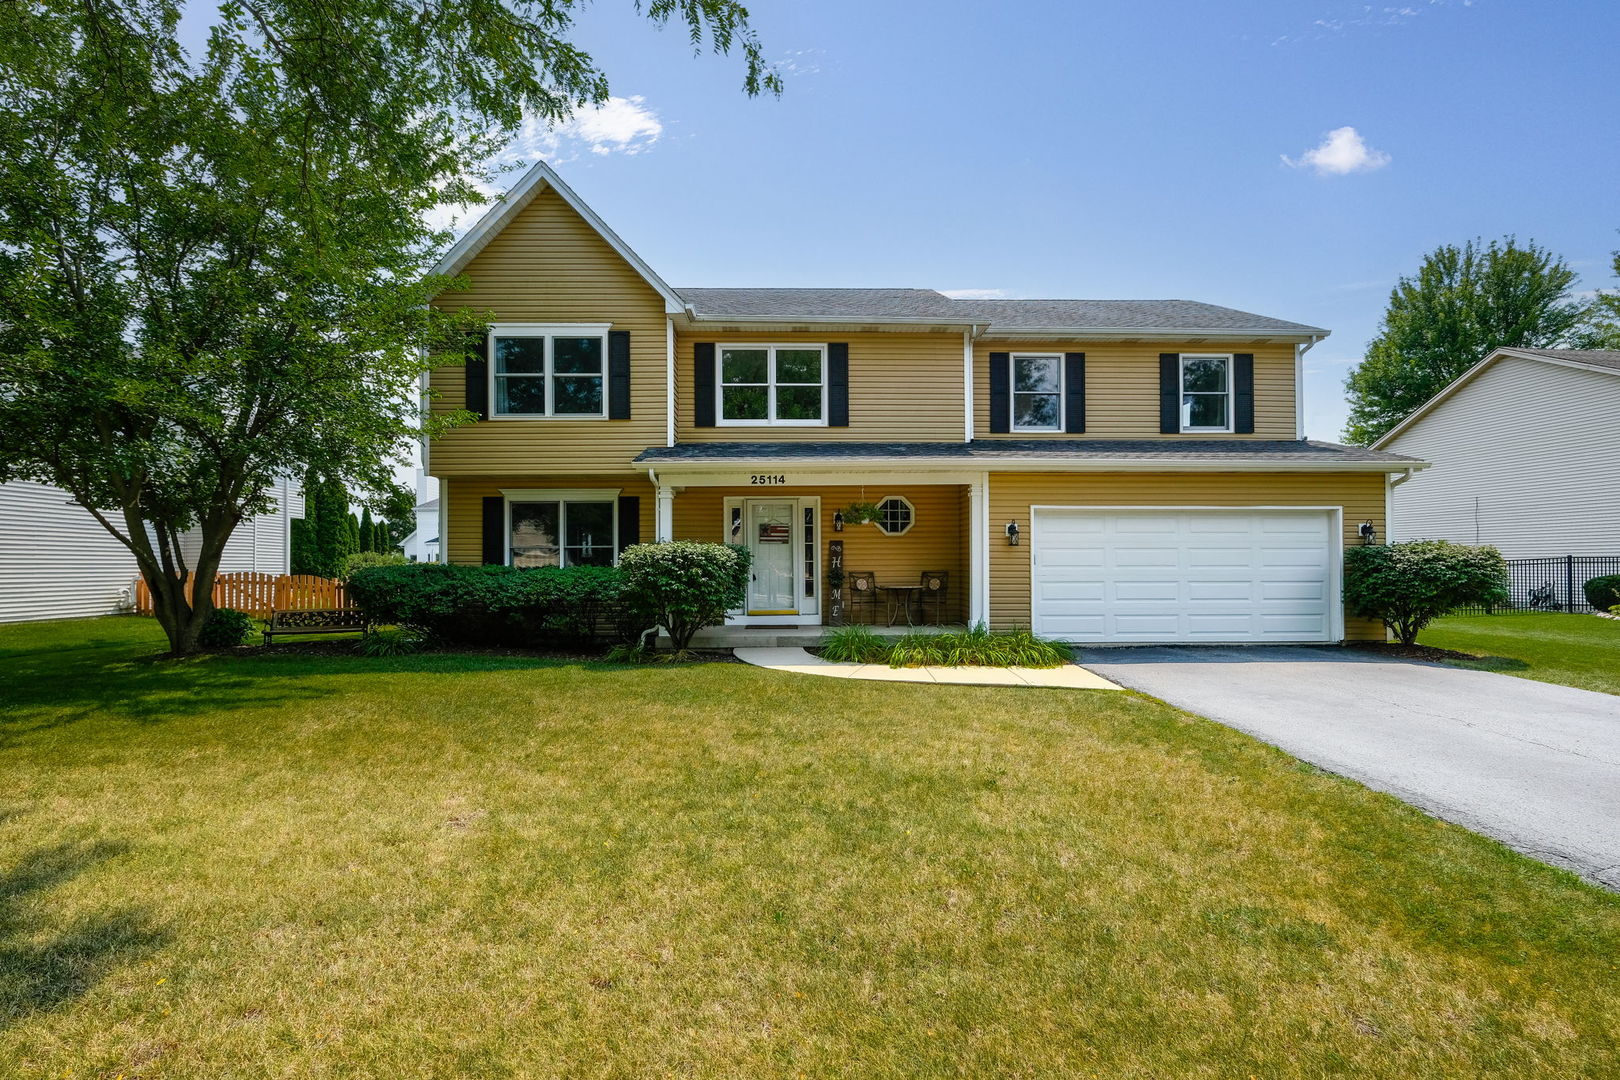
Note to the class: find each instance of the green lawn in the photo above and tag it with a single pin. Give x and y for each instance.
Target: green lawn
(1575, 650)
(438, 866)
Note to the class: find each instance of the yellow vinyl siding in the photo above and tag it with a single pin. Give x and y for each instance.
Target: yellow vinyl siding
(1012, 494)
(934, 542)
(464, 500)
(549, 266)
(1122, 388)
(902, 387)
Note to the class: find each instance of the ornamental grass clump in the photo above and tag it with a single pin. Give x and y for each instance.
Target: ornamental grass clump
(1406, 586)
(976, 647)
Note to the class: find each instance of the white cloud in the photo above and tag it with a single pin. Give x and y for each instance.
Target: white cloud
(1341, 151)
(801, 63)
(1350, 16)
(618, 126)
(975, 294)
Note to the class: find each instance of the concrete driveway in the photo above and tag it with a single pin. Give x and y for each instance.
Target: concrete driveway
(1534, 765)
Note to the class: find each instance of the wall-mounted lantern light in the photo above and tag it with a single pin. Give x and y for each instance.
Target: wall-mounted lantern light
(1012, 534)
(1369, 532)
(838, 521)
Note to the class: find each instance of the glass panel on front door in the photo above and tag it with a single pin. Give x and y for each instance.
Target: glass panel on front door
(770, 538)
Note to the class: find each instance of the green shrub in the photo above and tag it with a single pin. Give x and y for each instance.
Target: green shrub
(853, 645)
(1406, 585)
(1603, 593)
(684, 585)
(361, 560)
(226, 628)
(496, 605)
(977, 647)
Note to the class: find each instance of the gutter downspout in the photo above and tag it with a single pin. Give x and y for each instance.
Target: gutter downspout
(1300, 349)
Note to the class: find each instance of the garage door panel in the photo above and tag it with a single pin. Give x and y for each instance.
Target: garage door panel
(1196, 575)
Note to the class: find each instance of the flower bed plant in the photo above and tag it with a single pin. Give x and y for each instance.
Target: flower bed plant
(977, 647)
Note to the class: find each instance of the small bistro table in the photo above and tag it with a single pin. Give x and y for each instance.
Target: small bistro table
(901, 600)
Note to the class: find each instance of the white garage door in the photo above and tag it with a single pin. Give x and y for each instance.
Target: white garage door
(1184, 575)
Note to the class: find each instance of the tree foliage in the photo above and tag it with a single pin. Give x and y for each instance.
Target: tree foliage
(215, 268)
(1462, 304)
(1408, 585)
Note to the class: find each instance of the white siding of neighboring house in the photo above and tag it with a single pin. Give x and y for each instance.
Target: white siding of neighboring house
(1526, 457)
(264, 543)
(56, 561)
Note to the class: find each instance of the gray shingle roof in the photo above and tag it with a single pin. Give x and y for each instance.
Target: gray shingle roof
(1126, 315)
(926, 304)
(991, 450)
(827, 303)
(1603, 358)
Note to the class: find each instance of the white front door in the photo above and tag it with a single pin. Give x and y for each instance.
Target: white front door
(769, 525)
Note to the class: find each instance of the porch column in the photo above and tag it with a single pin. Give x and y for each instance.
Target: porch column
(664, 524)
(979, 550)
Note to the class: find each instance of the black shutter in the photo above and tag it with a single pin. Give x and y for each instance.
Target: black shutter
(1074, 392)
(495, 539)
(618, 371)
(837, 384)
(478, 375)
(629, 520)
(1243, 393)
(1000, 393)
(703, 384)
(1169, 393)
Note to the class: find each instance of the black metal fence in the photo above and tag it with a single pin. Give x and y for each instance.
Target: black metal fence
(1551, 584)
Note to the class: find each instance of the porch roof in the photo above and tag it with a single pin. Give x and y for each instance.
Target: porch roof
(1028, 453)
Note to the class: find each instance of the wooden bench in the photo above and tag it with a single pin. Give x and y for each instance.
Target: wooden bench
(315, 621)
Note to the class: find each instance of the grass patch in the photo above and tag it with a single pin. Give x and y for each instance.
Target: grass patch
(1573, 650)
(466, 866)
(977, 647)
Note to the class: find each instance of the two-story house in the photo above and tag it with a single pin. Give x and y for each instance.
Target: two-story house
(1123, 471)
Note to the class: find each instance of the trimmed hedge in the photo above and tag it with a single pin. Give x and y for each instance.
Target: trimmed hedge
(498, 605)
(685, 584)
(1603, 592)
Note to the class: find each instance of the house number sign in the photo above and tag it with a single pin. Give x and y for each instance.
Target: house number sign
(768, 478)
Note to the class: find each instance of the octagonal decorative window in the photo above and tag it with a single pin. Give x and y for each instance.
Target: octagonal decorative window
(895, 515)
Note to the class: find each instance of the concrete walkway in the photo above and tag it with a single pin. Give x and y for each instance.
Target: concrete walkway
(1534, 765)
(800, 662)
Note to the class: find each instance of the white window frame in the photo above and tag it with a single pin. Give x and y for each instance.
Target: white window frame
(1182, 412)
(770, 385)
(549, 332)
(1012, 390)
(562, 497)
(911, 522)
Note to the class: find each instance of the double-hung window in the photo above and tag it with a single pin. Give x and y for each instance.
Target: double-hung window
(772, 384)
(549, 370)
(1206, 393)
(571, 531)
(1037, 392)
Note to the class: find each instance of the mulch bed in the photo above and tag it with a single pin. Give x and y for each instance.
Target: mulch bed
(1410, 652)
(346, 647)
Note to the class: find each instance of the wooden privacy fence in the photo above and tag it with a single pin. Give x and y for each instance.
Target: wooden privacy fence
(261, 594)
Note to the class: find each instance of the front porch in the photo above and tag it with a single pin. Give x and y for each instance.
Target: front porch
(804, 637)
(816, 564)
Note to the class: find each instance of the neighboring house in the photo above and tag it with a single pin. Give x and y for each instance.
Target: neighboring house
(1147, 455)
(1525, 456)
(57, 562)
(422, 545)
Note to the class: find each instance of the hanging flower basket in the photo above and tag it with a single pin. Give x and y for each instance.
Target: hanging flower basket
(859, 513)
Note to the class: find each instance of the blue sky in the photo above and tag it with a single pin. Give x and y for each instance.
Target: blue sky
(1113, 150)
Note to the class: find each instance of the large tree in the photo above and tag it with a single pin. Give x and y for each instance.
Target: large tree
(1460, 305)
(214, 267)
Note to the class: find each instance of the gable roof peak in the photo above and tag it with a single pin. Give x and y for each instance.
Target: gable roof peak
(538, 178)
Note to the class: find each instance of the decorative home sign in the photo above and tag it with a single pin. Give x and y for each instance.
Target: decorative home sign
(835, 581)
